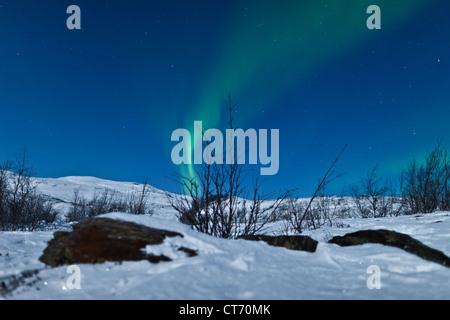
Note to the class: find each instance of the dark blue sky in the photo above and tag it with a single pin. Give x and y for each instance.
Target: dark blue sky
(103, 101)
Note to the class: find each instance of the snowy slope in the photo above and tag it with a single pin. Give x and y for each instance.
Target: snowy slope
(239, 269)
(62, 190)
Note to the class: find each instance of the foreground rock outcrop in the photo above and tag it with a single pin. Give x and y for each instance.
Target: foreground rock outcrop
(300, 243)
(99, 240)
(394, 239)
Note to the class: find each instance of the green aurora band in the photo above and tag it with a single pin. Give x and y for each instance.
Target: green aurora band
(273, 45)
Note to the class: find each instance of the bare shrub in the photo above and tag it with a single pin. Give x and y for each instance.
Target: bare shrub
(21, 206)
(217, 202)
(137, 200)
(426, 186)
(324, 210)
(100, 203)
(227, 215)
(304, 215)
(295, 211)
(328, 211)
(107, 202)
(78, 209)
(374, 197)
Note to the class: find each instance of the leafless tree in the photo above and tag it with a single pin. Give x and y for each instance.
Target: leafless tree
(300, 213)
(217, 201)
(374, 197)
(79, 207)
(426, 186)
(137, 199)
(4, 193)
(107, 201)
(445, 195)
(328, 211)
(21, 206)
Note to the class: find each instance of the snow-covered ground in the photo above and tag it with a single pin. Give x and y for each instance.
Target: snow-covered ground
(235, 269)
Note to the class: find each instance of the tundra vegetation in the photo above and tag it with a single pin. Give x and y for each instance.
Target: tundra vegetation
(217, 200)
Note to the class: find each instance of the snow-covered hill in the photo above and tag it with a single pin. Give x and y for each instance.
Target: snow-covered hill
(233, 269)
(62, 190)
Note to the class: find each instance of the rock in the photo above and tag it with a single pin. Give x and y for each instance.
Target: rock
(100, 239)
(300, 243)
(394, 239)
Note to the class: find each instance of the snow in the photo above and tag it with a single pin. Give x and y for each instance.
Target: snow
(62, 191)
(234, 269)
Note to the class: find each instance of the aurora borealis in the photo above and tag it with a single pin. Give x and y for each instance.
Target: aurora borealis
(103, 100)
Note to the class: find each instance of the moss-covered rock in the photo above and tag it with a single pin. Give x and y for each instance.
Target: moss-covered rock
(100, 239)
(300, 243)
(394, 239)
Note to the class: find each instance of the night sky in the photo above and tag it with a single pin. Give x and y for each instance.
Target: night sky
(103, 101)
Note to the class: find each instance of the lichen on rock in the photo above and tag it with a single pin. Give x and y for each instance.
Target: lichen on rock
(98, 240)
(300, 243)
(393, 239)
